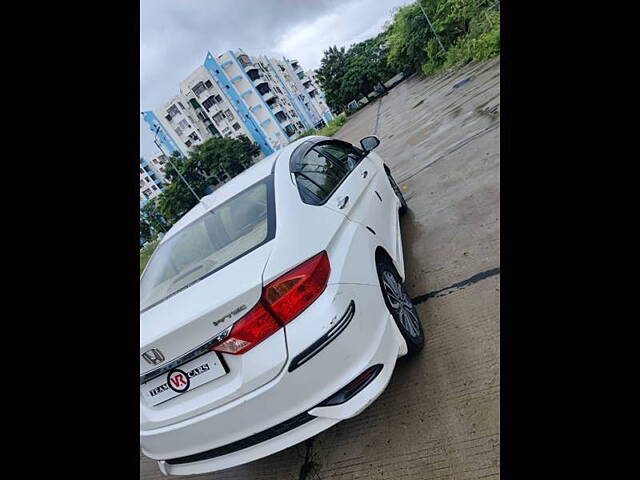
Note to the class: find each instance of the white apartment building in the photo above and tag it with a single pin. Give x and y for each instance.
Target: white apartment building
(151, 178)
(270, 101)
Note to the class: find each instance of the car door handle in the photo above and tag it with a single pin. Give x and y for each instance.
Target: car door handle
(364, 174)
(342, 201)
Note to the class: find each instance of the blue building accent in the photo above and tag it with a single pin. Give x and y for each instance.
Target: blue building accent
(294, 101)
(315, 118)
(236, 78)
(163, 136)
(217, 72)
(244, 94)
(255, 108)
(233, 55)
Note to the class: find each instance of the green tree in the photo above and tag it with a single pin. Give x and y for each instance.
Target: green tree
(150, 215)
(333, 67)
(467, 29)
(347, 75)
(205, 164)
(408, 35)
(146, 233)
(366, 67)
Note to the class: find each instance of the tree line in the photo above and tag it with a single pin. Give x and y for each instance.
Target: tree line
(461, 31)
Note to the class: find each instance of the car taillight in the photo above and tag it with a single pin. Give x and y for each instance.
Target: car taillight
(282, 300)
(251, 329)
(288, 296)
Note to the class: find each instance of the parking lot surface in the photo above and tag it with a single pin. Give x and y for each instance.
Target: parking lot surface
(439, 417)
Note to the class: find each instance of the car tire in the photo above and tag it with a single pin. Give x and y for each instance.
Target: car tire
(403, 204)
(400, 306)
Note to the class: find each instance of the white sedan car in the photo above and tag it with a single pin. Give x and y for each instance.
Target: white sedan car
(274, 308)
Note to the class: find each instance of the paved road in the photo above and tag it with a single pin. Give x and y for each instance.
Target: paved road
(439, 416)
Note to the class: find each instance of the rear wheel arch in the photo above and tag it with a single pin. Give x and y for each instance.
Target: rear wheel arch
(381, 254)
(400, 305)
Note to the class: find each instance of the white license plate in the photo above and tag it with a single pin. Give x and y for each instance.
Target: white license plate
(182, 379)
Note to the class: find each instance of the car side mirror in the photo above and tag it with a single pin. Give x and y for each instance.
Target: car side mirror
(369, 143)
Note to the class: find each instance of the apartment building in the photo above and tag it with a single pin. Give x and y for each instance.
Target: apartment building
(151, 178)
(317, 95)
(303, 92)
(270, 101)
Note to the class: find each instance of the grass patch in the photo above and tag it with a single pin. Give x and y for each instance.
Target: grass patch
(145, 254)
(329, 130)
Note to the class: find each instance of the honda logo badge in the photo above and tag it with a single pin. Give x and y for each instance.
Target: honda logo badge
(153, 356)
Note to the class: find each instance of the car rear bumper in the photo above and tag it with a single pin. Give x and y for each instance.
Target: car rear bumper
(284, 412)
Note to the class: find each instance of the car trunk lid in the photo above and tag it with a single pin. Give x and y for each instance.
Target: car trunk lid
(193, 317)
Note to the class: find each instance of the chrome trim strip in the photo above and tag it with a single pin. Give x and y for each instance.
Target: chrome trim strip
(190, 355)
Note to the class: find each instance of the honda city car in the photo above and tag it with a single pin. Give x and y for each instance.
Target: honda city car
(274, 309)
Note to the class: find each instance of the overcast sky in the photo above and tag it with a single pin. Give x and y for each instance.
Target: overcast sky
(175, 36)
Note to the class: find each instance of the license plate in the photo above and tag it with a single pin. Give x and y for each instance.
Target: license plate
(182, 379)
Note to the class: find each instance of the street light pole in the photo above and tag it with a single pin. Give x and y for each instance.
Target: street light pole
(429, 22)
(155, 140)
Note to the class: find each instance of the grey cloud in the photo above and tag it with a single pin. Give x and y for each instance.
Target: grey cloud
(176, 35)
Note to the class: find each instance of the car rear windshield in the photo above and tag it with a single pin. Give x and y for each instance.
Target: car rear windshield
(213, 241)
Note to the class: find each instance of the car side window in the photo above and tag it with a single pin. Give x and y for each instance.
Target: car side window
(318, 176)
(343, 153)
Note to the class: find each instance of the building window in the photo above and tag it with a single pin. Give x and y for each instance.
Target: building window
(181, 105)
(183, 124)
(194, 136)
(208, 84)
(236, 126)
(198, 89)
(218, 117)
(173, 111)
(218, 98)
(209, 102)
(154, 188)
(213, 130)
(194, 103)
(179, 131)
(188, 143)
(147, 192)
(228, 114)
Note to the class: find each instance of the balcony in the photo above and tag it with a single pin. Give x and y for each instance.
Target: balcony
(261, 81)
(244, 60)
(290, 130)
(268, 95)
(276, 107)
